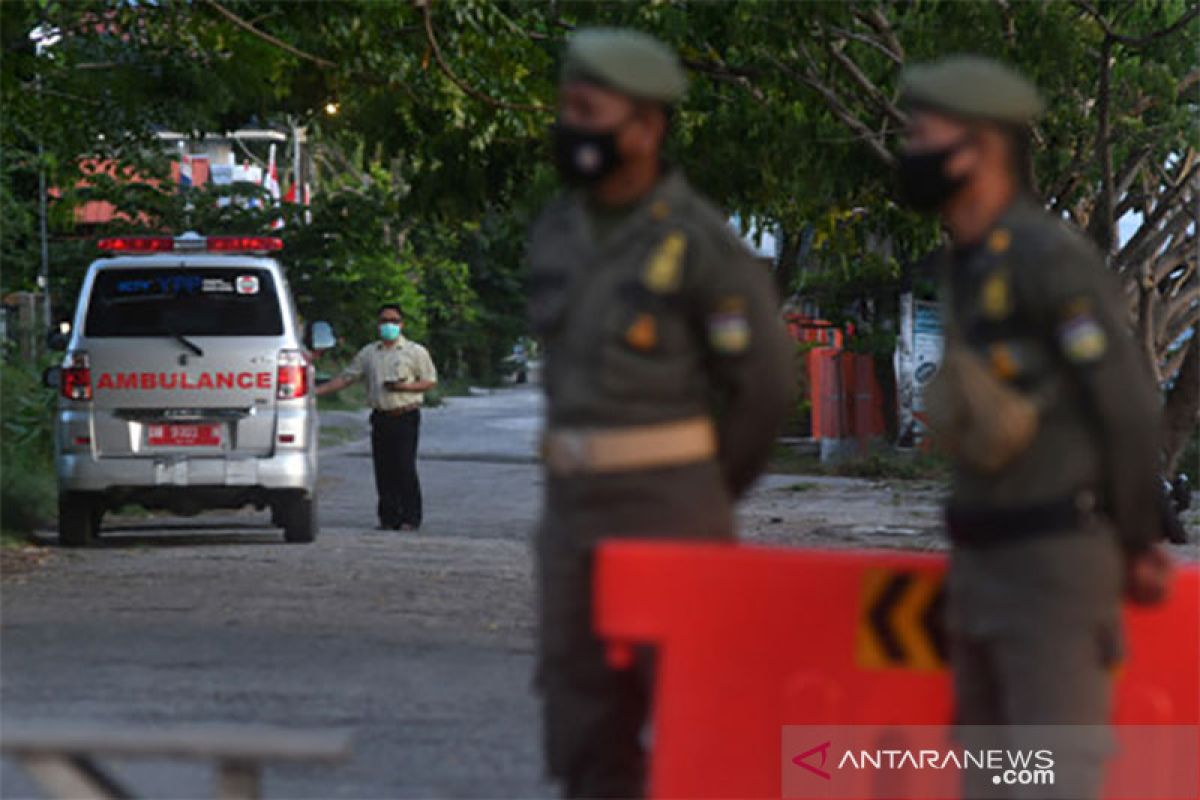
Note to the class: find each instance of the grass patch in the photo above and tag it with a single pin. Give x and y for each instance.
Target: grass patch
(800, 487)
(879, 465)
(14, 541)
(452, 387)
(352, 398)
(786, 461)
(334, 435)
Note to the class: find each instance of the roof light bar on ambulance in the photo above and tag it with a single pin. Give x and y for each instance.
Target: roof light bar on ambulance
(190, 243)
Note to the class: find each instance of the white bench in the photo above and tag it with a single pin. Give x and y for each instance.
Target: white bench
(61, 758)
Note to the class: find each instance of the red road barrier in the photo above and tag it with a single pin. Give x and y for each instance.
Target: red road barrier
(750, 639)
(846, 399)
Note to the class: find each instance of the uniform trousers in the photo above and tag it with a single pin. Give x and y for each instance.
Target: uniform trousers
(394, 451)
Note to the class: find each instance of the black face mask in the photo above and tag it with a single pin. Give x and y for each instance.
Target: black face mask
(923, 184)
(584, 157)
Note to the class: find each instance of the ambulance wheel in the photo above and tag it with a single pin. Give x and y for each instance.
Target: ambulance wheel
(298, 513)
(78, 519)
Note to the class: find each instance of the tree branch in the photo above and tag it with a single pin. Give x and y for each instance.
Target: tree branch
(837, 107)
(1181, 250)
(878, 22)
(865, 83)
(1103, 222)
(463, 86)
(868, 41)
(266, 37)
(1125, 180)
(1136, 42)
(719, 70)
(1150, 235)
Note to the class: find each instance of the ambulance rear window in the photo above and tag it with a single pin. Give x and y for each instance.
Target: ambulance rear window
(211, 301)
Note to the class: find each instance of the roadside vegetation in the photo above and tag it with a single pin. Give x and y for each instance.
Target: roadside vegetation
(880, 464)
(425, 144)
(27, 480)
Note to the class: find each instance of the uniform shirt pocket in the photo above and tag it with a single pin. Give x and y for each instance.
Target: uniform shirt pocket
(644, 348)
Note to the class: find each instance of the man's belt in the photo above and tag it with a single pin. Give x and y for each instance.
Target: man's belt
(980, 527)
(669, 444)
(397, 412)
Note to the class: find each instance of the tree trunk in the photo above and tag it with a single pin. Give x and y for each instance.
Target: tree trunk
(789, 263)
(1182, 411)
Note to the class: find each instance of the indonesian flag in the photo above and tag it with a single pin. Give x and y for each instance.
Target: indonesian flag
(185, 168)
(271, 184)
(290, 195)
(271, 177)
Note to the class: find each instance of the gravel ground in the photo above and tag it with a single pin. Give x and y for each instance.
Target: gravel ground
(419, 644)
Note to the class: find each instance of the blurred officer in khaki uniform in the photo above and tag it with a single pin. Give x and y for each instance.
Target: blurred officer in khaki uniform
(1051, 416)
(666, 372)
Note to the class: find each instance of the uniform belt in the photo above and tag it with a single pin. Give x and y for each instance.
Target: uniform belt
(668, 444)
(979, 526)
(397, 412)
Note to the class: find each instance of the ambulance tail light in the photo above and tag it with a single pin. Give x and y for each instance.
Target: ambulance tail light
(76, 379)
(292, 379)
(243, 244)
(137, 244)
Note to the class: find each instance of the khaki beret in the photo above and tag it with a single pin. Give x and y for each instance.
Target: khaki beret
(626, 61)
(972, 87)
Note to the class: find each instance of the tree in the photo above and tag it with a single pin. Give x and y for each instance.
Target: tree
(790, 123)
(1119, 140)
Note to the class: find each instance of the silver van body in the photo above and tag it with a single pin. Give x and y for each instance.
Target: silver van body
(186, 407)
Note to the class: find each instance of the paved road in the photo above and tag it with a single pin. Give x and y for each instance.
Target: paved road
(419, 644)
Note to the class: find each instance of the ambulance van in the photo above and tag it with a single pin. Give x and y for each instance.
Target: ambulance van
(186, 385)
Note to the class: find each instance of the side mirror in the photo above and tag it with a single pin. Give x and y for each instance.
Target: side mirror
(1181, 493)
(52, 377)
(320, 336)
(57, 338)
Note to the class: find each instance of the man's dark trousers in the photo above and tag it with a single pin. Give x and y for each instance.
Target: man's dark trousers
(394, 449)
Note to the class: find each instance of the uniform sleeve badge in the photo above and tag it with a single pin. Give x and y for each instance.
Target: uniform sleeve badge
(642, 334)
(728, 327)
(1004, 361)
(664, 270)
(999, 240)
(996, 296)
(1081, 336)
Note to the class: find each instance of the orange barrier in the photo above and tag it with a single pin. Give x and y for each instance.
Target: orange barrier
(846, 399)
(750, 639)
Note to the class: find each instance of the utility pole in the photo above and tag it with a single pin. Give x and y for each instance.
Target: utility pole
(297, 185)
(44, 271)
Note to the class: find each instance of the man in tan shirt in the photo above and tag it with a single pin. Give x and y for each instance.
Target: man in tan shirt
(397, 372)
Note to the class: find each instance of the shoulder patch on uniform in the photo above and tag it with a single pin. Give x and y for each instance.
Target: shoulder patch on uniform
(1080, 334)
(659, 210)
(728, 327)
(996, 296)
(664, 269)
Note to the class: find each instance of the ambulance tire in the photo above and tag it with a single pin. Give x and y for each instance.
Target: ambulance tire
(78, 519)
(298, 513)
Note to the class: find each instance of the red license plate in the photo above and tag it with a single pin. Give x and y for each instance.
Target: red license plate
(184, 436)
